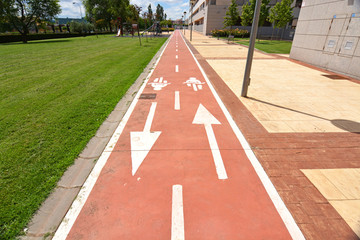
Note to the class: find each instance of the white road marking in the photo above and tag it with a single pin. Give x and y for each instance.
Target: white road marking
(284, 213)
(79, 202)
(203, 116)
(159, 84)
(177, 57)
(177, 100)
(177, 68)
(196, 84)
(177, 214)
(142, 142)
(150, 117)
(176, 50)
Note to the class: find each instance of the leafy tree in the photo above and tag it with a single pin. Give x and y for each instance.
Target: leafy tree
(164, 23)
(159, 13)
(120, 10)
(232, 15)
(248, 10)
(150, 15)
(281, 13)
(97, 10)
(23, 14)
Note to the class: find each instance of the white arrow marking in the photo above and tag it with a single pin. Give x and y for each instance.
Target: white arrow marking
(177, 218)
(177, 100)
(142, 142)
(203, 116)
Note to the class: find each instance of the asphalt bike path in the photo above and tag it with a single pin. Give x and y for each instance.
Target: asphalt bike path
(175, 169)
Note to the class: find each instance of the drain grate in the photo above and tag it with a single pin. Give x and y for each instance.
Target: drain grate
(334, 77)
(148, 96)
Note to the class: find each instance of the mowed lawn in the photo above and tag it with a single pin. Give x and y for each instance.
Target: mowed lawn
(54, 95)
(269, 46)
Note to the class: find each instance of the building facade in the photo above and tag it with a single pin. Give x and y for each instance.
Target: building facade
(208, 15)
(328, 35)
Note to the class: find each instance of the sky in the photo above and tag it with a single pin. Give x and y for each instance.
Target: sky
(174, 9)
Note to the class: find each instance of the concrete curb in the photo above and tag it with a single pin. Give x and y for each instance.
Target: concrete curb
(49, 216)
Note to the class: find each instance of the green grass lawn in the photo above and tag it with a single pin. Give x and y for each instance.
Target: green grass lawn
(54, 95)
(269, 46)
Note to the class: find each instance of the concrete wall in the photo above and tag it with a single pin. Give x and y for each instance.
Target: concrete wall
(328, 36)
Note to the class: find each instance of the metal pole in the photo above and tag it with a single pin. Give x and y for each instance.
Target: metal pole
(191, 27)
(184, 21)
(254, 28)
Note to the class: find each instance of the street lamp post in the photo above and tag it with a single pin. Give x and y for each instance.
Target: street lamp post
(249, 59)
(79, 8)
(184, 21)
(192, 2)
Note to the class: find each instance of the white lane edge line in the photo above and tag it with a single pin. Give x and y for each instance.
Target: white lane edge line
(177, 68)
(177, 214)
(150, 117)
(219, 164)
(79, 202)
(177, 100)
(280, 206)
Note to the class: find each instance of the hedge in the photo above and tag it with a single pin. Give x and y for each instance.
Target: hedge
(226, 32)
(42, 36)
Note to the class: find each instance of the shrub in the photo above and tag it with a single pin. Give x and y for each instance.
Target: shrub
(167, 29)
(238, 33)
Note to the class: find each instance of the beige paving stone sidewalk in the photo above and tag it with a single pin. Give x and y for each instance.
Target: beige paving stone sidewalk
(285, 96)
(341, 187)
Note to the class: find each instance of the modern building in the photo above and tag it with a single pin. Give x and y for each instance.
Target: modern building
(208, 15)
(328, 35)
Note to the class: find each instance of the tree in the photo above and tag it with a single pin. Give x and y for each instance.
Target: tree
(120, 9)
(150, 15)
(248, 10)
(281, 14)
(97, 10)
(159, 13)
(232, 15)
(22, 14)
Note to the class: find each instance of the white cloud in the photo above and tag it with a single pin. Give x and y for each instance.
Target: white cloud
(174, 9)
(71, 10)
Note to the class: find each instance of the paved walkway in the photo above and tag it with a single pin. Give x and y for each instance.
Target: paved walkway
(303, 124)
(178, 167)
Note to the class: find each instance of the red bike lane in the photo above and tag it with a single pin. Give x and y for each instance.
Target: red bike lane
(178, 169)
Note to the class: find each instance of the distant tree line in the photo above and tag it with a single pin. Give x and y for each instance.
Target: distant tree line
(107, 15)
(120, 14)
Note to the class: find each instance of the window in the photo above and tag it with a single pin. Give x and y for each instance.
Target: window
(212, 2)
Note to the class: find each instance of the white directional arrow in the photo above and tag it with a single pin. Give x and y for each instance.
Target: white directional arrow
(203, 116)
(142, 142)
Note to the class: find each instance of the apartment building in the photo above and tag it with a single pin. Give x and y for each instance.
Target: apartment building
(328, 35)
(208, 15)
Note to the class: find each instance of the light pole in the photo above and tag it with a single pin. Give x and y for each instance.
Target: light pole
(182, 24)
(191, 9)
(184, 21)
(249, 59)
(80, 9)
